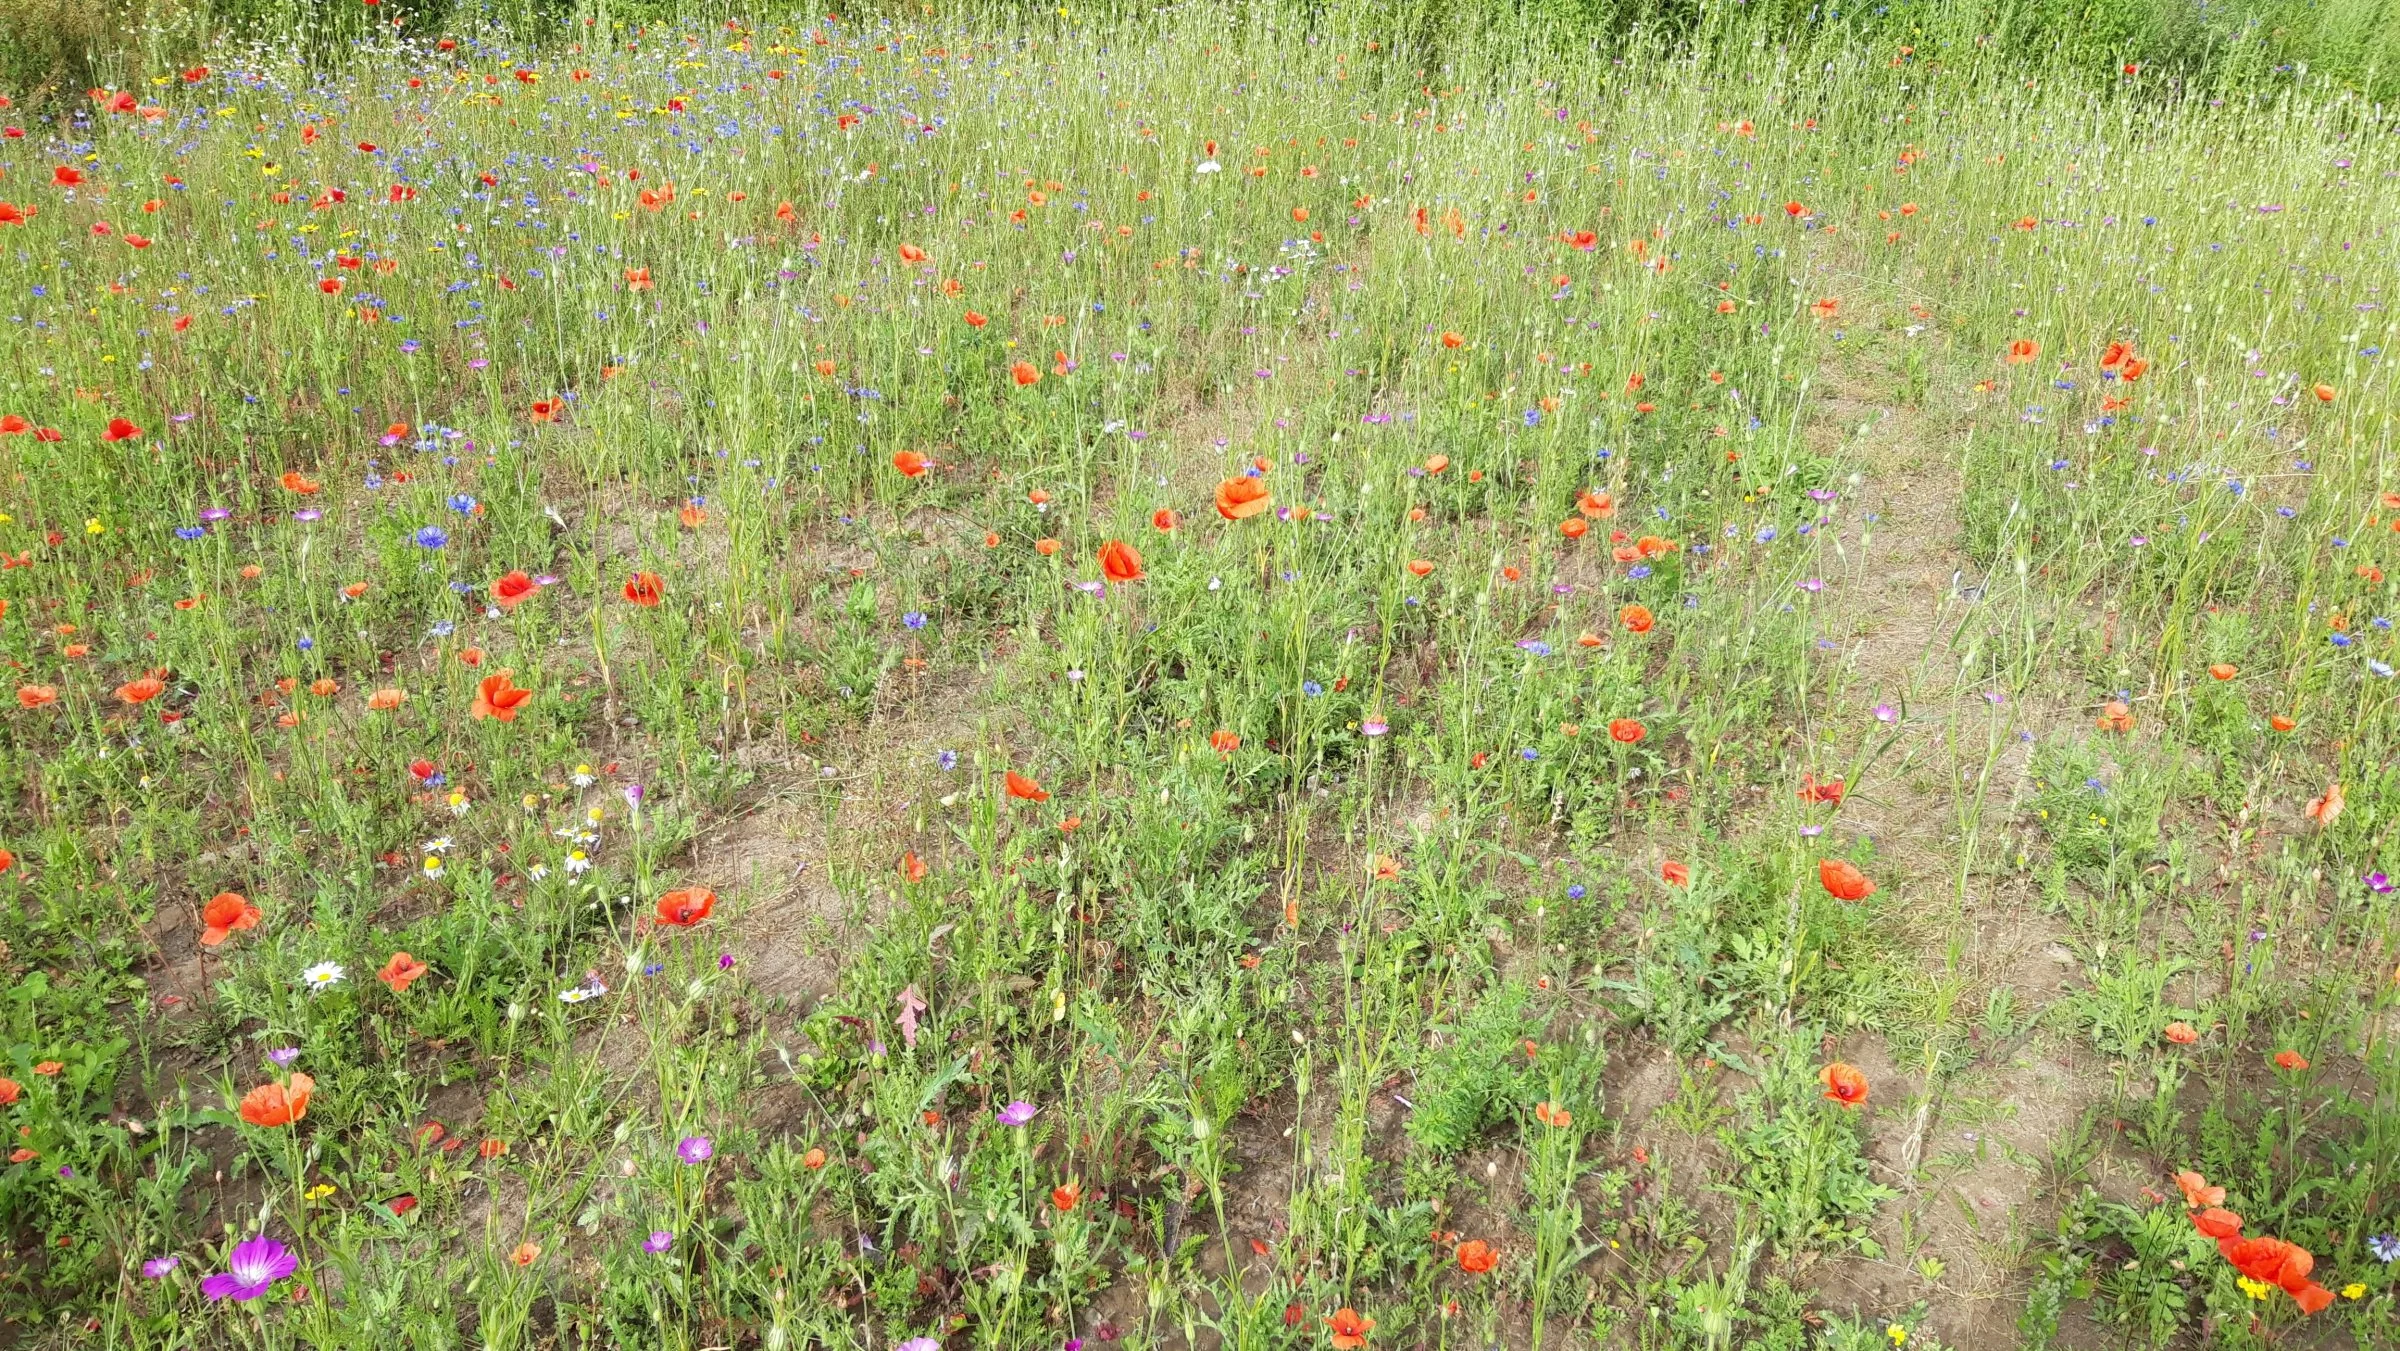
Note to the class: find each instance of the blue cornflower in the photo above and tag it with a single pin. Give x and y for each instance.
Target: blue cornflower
(432, 537)
(914, 619)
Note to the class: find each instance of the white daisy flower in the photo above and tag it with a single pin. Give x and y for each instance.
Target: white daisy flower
(578, 864)
(439, 844)
(433, 867)
(538, 871)
(583, 777)
(322, 976)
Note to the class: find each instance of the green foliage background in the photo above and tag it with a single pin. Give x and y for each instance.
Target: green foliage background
(54, 47)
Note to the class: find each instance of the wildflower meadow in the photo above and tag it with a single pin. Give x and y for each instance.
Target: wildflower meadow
(1243, 676)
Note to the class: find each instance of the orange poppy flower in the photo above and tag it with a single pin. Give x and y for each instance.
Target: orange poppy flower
(2325, 393)
(296, 482)
(401, 972)
(1224, 742)
(2182, 1033)
(1025, 789)
(512, 590)
(2282, 722)
(227, 913)
(2224, 670)
(1637, 618)
(912, 868)
(1843, 1083)
(1349, 1328)
(1553, 1116)
(1843, 881)
(692, 515)
(1239, 499)
(645, 588)
(525, 1254)
(1574, 527)
(1597, 505)
(271, 1105)
(687, 907)
(2218, 1223)
(2022, 351)
(1475, 1257)
(2326, 807)
(2196, 1191)
(499, 699)
(1063, 1199)
(1450, 339)
(1163, 519)
(1045, 547)
(10, 1091)
(1435, 464)
(1420, 567)
(911, 463)
(813, 1159)
(1626, 730)
(1025, 373)
(1675, 874)
(2290, 1060)
(470, 656)
(1826, 308)
(1119, 562)
(545, 410)
(141, 691)
(36, 696)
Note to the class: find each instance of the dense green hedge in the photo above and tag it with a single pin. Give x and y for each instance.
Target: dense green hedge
(50, 48)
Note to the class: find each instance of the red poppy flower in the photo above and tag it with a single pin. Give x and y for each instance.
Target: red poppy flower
(2196, 1191)
(1349, 1328)
(687, 907)
(498, 699)
(1162, 519)
(1239, 499)
(1119, 562)
(645, 588)
(1844, 1083)
(1626, 730)
(1025, 789)
(1025, 373)
(120, 430)
(1475, 1257)
(65, 176)
(911, 463)
(1843, 881)
(271, 1105)
(512, 590)
(2290, 1060)
(2022, 351)
(1063, 1199)
(1675, 874)
(141, 691)
(1224, 742)
(1637, 618)
(401, 972)
(226, 914)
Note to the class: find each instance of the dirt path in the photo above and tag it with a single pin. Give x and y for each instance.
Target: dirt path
(1966, 1145)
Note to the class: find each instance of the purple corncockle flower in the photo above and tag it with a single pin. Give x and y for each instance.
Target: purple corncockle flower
(2378, 883)
(254, 1265)
(695, 1149)
(284, 1055)
(659, 1241)
(157, 1267)
(1016, 1113)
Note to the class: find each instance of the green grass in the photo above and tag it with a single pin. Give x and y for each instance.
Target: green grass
(1434, 857)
